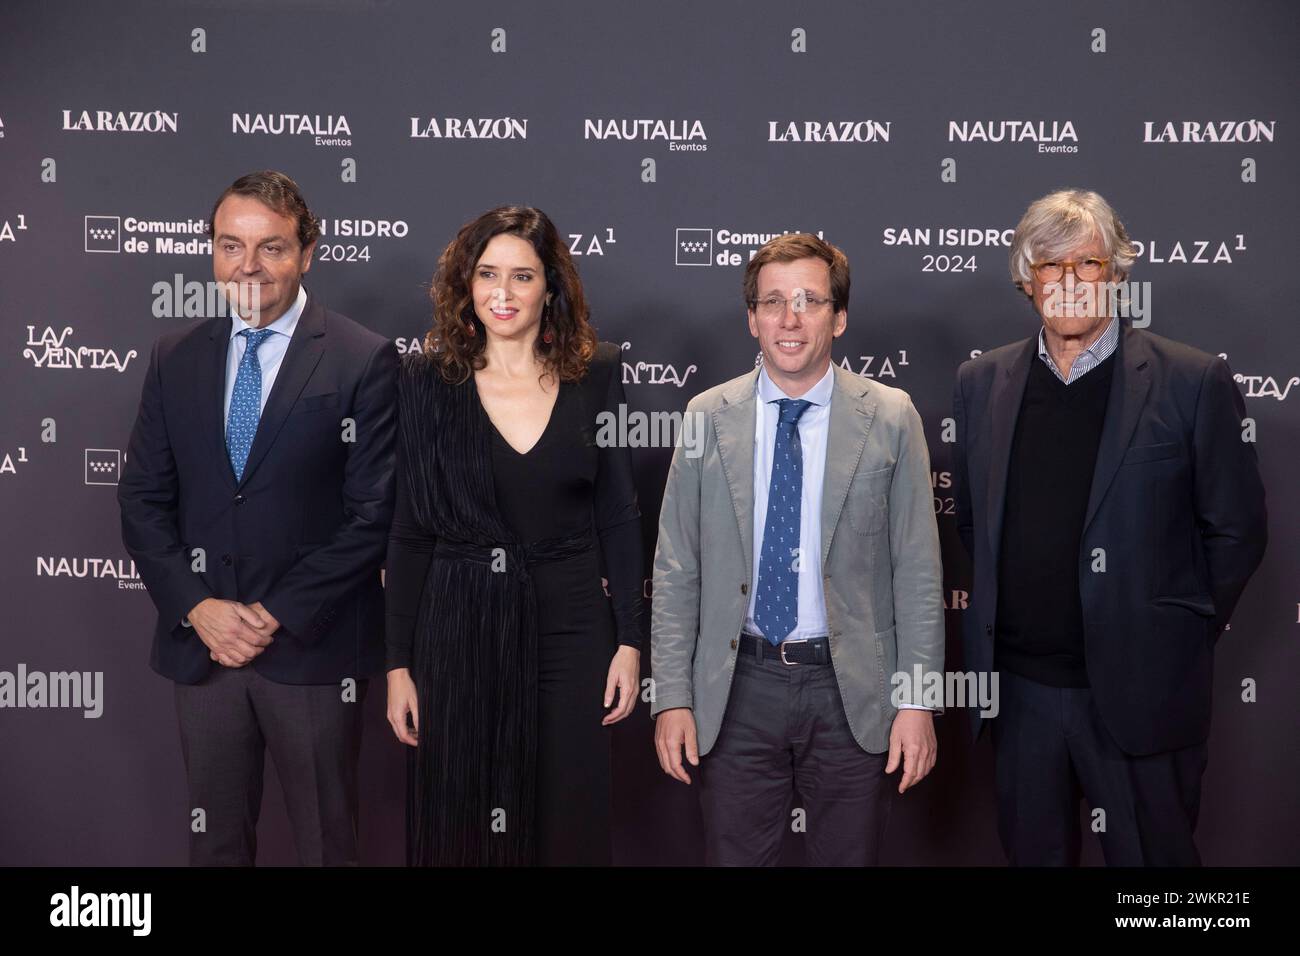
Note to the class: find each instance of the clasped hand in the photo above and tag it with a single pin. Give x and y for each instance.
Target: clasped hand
(234, 633)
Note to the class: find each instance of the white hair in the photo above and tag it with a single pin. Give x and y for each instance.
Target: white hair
(1052, 227)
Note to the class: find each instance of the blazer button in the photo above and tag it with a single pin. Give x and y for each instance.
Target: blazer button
(225, 559)
(239, 499)
(734, 643)
(744, 589)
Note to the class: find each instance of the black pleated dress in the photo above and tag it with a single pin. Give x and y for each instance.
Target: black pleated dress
(496, 604)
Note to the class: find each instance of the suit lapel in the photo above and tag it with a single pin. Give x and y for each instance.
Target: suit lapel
(210, 386)
(1004, 411)
(852, 412)
(299, 362)
(1129, 385)
(733, 423)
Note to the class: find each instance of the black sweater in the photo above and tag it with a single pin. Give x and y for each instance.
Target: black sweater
(1039, 616)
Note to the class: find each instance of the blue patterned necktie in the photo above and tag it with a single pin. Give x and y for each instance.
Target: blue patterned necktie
(245, 402)
(776, 605)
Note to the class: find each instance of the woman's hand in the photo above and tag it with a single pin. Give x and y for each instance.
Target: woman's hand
(625, 677)
(401, 701)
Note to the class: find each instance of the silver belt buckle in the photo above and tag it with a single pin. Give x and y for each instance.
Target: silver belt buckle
(797, 640)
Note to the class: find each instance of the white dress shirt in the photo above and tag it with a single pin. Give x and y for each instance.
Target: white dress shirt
(813, 427)
(269, 354)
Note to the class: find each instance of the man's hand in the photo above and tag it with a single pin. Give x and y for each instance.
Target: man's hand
(272, 625)
(912, 738)
(675, 729)
(625, 677)
(233, 632)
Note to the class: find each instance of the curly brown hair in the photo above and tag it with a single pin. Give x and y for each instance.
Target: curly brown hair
(457, 339)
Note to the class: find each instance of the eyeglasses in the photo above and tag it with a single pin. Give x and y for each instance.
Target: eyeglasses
(1088, 269)
(774, 306)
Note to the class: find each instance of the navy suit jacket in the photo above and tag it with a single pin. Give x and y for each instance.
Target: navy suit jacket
(1176, 504)
(304, 531)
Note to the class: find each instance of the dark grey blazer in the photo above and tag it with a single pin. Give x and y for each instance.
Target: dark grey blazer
(880, 565)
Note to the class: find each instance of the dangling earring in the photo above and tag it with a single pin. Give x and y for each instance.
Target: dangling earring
(469, 328)
(548, 336)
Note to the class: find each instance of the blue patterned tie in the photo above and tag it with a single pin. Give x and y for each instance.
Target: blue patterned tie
(776, 606)
(245, 402)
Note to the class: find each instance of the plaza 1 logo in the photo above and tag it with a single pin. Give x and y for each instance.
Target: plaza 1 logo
(55, 354)
(695, 246)
(867, 366)
(591, 244)
(9, 230)
(328, 130)
(1194, 252)
(104, 234)
(864, 366)
(654, 373)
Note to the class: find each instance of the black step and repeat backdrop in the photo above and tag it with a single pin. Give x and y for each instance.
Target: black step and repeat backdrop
(667, 140)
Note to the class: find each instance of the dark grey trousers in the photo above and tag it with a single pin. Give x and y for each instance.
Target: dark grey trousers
(1051, 749)
(227, 722)
(784, 728)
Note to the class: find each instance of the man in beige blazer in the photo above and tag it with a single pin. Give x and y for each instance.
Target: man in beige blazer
(797, 572)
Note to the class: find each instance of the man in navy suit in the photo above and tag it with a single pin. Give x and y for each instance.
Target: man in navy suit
(256, 500)
(1112, 506)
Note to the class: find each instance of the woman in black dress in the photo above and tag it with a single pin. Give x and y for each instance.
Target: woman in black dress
(503, 649)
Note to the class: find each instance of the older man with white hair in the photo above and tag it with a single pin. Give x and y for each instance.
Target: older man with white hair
(1113, 512)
